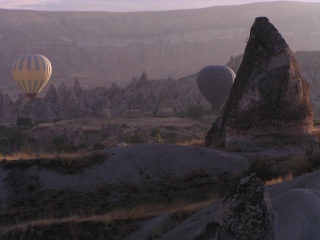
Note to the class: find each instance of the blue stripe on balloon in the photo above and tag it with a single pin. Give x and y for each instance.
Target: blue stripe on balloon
(29, 57)
(14, 66)
(21, 63)
(36, 61)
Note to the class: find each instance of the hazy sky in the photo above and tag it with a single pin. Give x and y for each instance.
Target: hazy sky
(119, 5)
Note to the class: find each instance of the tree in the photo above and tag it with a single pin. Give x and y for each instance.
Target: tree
(21, 121)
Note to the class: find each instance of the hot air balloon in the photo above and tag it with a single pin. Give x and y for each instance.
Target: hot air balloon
(31, 72)
(215, 82)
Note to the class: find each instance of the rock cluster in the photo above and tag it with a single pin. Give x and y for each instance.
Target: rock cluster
(163, 97)
(269, 103)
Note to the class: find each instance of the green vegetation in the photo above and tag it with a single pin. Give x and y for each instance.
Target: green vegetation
(12, 139)
(124, 126)
(136, 139)
(170, 137)
(316, 122)
(262, 169)
(154, 132)
(62, 145)
(193, 112)
(98, 146)
(158, 138)
(21, 121)
(57, 120)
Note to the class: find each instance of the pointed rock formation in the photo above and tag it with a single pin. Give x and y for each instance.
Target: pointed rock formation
(37, 110)
(77, 88)
(51, 99)
(51, 95)
(62, 92)
(246, 212)
(139, 82)
(8, 110)
(70, 108)
(269, 104)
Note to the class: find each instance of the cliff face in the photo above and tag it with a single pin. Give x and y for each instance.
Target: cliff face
(99, 48)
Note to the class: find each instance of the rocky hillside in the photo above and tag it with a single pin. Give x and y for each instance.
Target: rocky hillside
(100, 48)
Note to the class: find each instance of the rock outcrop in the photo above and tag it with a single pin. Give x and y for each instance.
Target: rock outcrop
(309, 63)
(246, 213)
(269, 104)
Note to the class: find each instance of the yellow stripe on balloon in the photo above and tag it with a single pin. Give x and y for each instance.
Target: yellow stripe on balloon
(31, 72)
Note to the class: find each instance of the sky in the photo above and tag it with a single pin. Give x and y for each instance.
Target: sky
(121, 5)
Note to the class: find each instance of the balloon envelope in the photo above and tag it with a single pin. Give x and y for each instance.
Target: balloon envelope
(31, 72)
(215, 82)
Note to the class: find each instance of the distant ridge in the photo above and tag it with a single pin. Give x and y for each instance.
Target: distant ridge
(99, 48)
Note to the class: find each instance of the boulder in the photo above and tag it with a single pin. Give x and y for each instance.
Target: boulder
(246, 213)
(269, 104)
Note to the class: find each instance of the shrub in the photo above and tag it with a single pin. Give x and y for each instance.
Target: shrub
(62, 146)
(135, 139)
(124, 126)
(263, 170)
(194, 112)
(154, 132)
(16, 138)
(57, 120)
(98, 146)
(159, 139)
(170, 137)
(24, 121)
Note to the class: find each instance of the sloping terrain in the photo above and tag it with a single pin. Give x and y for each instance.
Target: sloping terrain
(139, 174)
(50, 198)
(296, 205)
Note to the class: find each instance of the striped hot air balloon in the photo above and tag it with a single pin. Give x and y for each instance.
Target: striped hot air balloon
(31, 72)
(215, 82)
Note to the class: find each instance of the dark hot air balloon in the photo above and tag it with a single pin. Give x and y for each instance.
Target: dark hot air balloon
(31, 72)
(215, 82)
